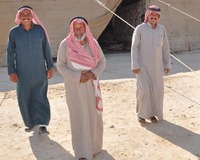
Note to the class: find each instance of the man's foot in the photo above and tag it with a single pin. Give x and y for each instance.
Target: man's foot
(141, 120)
(42, 130)
(28, 129)
(82, 158)
(153, 119)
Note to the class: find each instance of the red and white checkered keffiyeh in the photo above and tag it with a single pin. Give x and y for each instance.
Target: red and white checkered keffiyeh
(35, 19)
(151, 9)
(77, 53)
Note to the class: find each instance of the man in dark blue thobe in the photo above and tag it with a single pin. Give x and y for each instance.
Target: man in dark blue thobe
(30, 65)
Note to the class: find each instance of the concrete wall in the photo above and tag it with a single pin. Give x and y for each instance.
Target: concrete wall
(55, 16)
(183, 31)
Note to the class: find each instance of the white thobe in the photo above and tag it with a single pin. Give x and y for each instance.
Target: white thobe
(86, 123)
(150, 53)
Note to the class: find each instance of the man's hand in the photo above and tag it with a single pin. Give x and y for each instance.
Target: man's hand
(90, 75)
(87, 75)
(136, 71)
(13, 77)
(167, 70)
(50, 73)
(83, 78)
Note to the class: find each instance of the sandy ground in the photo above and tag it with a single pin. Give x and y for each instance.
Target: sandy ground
(175, 138)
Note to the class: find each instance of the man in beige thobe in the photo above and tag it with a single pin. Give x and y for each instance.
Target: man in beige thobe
(81, 62)
(150, 59)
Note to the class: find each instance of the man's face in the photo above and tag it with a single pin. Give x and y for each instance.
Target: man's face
(79, 31)
(153, 18)
(25, 17)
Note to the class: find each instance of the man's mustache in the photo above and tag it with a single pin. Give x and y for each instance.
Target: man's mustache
(26, 19)
(153, 18)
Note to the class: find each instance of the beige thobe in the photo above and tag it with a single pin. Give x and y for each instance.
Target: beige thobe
(86, 123)
(150, 53)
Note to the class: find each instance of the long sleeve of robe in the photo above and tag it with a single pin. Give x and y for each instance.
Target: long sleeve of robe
(29, 56)
(150, 53)
(86, 123)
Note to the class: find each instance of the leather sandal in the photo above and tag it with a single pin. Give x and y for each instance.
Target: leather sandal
(153, 119)
(28, 129)
(82, 158)
(141, 120)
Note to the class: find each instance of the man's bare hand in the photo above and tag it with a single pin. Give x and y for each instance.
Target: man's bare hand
(50, 73)
(136, 71)
(167, 70)
(13, 77)
(90, 75)
(83, 78)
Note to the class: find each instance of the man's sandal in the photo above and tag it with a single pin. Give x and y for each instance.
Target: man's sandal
(153, 119)
(141, 120)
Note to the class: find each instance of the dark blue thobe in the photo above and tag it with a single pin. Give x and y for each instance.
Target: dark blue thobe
(29, 56)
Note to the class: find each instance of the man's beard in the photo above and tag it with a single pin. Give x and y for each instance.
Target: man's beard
(80, 38)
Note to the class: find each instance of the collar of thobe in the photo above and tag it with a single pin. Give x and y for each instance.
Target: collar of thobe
(149, 24)
(32, 25)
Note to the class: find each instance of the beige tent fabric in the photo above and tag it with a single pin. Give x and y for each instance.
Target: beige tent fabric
(99, 24)
(57, 13)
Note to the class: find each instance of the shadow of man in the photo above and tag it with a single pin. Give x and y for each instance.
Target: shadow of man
(177, 135)
(45, 148)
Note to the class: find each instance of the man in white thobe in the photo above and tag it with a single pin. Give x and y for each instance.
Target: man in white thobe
(81, 61)
(150, 59)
